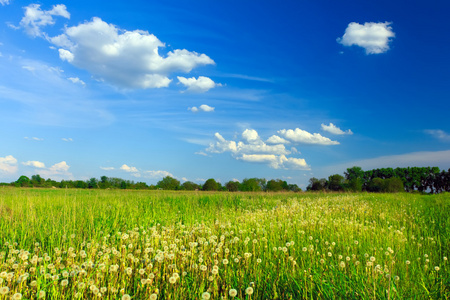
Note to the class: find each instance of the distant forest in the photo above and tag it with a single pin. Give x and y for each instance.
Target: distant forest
(387, 180)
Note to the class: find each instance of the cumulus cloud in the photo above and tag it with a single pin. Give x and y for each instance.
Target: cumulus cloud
(157, 174)
(275, 139)
(127, 59)
(58, 171)
(203, 107)
(200, 85)
(254, 150)
(301, 136)
(128, 169)
(8, 164)
(77, 80)
(34, 163)
(333, 129)
(438, 134)
(35, 18)
(373, 37)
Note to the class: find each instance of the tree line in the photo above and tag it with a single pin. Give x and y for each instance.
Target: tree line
(410, 179)
(167, 183)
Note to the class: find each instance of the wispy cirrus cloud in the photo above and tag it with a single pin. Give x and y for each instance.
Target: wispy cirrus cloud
(33, 138)
(438, 134)
(35, 18)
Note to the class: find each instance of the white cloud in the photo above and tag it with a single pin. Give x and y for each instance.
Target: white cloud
(127, 59)
(157, 174)
(107, 168)
(373, 37)
(8, 164)
(58, 171)
(301, 136)
(276, 162)
(77, 80)
(200, 85)
(67, 139)
(35, 18)
(203, 107)
(334, 129)
(34, 163)
(275, 139)
(128, 169)
(33, 138)
(252, 149)
(439, 134)
(4, 2)
(251, 136)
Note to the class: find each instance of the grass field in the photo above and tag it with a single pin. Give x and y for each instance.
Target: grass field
(86, 244)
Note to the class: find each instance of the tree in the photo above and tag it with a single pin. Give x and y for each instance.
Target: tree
(36, 180)
(294, 188)
(232, 186)
(92, 183)
(253, 185)
(316, 184)
(276, 185)
(169, 183)
(23, 181)
(190, 186)
(336, 182)
(393, 185)
(210, 185)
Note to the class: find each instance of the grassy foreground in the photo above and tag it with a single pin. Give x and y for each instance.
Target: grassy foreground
(84, 244)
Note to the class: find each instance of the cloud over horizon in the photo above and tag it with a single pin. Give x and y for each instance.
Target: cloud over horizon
(254, 150)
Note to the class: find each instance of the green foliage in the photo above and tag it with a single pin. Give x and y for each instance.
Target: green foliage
(169, 183)
(317, 184)
(210, 185)
(232, 186)
(23, 181)
(336, 182)
(190, 186)
(253, 185)
(276, 185)
(346, 243)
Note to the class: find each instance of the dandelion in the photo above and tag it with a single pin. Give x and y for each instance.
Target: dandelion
(153, 297)
(372, 259)
(342, 264)
(103, 290)
(42, 294)
(232, 293)
(206, 296)
(126, 297)
(17, 296)
(408, 262)
(437, 268)
(172, 279)
(249, 290)
(64, 282)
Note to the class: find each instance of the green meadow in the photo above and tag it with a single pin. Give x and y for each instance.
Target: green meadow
(116, 244)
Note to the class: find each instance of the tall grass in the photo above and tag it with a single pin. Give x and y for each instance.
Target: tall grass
(86, 244)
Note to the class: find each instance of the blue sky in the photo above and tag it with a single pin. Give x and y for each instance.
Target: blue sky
(222, 89)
